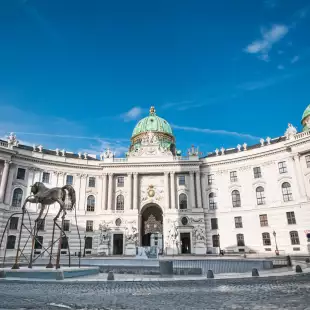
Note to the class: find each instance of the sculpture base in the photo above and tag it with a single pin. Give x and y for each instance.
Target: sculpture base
(130, 249)
(200, 249)
(103, 249)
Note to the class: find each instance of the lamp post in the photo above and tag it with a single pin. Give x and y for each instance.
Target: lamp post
(218, 235)
(275, 238)
(84, 246)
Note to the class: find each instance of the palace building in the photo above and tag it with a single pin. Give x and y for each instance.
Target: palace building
(252, 198)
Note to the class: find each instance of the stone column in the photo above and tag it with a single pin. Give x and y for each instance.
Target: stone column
(203, 192)
(172, 193)
(192, 189)
(198, 189)
(110, 191)
(135, 191)
(4, 179)
(167, 195)
(299, 176)
(129, 190)
(104, 192)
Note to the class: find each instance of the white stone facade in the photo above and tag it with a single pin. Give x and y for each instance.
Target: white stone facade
(238, 196)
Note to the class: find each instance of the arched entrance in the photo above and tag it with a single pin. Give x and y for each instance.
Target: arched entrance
(152, 226)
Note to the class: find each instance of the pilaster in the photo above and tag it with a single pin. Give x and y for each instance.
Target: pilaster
(135, 191)
(4, 179)
(110, 191)
(198, 189)
(172, 194)
(129, 177)
(192, 189)
(167, 194)
(104, 191)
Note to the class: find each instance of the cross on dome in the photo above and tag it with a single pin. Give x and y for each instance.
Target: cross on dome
(152, 110)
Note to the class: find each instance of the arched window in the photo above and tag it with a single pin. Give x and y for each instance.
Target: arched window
(294, 237)
(212, 201)
(236, 201)
(17, 197)
(88, 243)
(260, 195)
(287, 191)
(91, 203)
(182, 201)
(120, 202)
(240, 240)
(266, 238)
(10, 244)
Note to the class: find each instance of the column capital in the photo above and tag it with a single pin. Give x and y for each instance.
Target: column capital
(111, 174)
(166, 173)
(129, 173)
(135, 174)
(7, 162)
(172, 172)
(104, 174)
(191, 173)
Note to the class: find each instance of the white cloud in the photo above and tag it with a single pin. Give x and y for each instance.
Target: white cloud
(269, 37)
(294, 59)
(280, 67)
(216, 131)
(133, 114)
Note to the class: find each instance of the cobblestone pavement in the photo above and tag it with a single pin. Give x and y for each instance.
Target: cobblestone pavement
(290, 292)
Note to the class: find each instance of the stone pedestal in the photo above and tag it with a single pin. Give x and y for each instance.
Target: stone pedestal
(200, 248)
(130, 249)
(172, 251)
(103, 249)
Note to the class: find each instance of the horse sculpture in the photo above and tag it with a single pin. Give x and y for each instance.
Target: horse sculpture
(46, 196)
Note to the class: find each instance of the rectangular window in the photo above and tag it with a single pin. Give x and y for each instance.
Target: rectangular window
(233, 176)
(257, 172)
(92, 182)
(89, 225)
(240, 240)
(21, 173)
(66, 225)
(214, 224)
(41, 224)
(216, 241)
(282, 167)
(120, 181)
(46, 177)
(64, 243)
(308, 161)
(88, 243)
(38, 243)
(14, 223)
(69, 180)
(290, 218)
(263, 220)
(181, 179)
(294, 237)
(210, 179)
(238, 222)
(266, 239)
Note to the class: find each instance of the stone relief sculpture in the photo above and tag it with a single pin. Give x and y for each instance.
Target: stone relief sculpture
(131, 235)
(172, 233)
(104, 232)
(199, 234)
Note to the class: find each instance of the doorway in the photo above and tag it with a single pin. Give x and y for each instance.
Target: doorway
(118, 243)
(185, 243)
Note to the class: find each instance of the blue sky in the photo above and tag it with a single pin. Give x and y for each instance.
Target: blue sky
(78, 74)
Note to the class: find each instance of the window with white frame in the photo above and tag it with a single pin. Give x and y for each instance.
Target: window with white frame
(210, 179)
(45, 177)
(260, 195)
(66, 225)
(90, 203)
(64, 243)
(88, 243)
(10, 243)
(294, 237)
(182, 201)
(236, 200)
(263, 219)
(17, 198)
(216, 241)
(212, 201)
(308, 161)
(89, 225)
(14, 223)
(257, 172)
(238, 222)
(291, 220)
(214, 223)
(282, 167)
(240, 240)
(181, 179)
(21, 173)
(266, 238)
(120, 181)
(38, 243)
(120, 202)
(287, 192)
(91, 182)
(233, 176)
(69, 180)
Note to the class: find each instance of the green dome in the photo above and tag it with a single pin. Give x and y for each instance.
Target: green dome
(305, 119)
(306, 113)
(152, 123)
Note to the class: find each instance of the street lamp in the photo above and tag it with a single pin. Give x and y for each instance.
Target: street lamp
(218, 236)
(275, 238)
(84, 246)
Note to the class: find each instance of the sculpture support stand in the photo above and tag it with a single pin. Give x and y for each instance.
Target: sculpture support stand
(16, 264)
(60, 241)
(34, 236)
(50, 264)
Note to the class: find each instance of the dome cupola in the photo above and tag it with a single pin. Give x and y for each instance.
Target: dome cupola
(305, 121)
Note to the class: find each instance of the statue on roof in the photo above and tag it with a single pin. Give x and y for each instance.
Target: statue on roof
(12, 140)
(290, 132)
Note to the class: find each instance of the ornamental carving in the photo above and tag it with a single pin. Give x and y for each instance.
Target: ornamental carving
(152, 226)
(105, 232)
(152, 193)
(199, 233)
(131, 233)
(193, 220)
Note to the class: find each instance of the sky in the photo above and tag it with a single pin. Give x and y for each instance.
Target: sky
(79, 74)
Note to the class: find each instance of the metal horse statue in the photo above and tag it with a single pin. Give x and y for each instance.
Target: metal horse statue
(45, 196)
